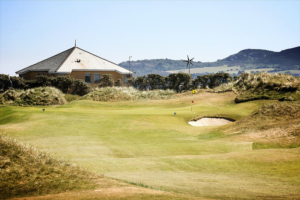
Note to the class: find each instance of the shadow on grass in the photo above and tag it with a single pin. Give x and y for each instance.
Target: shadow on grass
(257, 146)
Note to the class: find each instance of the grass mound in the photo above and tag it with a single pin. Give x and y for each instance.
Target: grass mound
(35, 96)
(24, 171)
(126, 94)
(264, 86)
(275, 125)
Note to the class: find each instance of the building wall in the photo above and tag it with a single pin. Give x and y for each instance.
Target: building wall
(32, 75)
(80, 75)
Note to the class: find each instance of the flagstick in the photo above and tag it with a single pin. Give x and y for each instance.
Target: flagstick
(192, 102)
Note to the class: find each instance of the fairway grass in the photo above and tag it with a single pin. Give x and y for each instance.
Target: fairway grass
(145, 144)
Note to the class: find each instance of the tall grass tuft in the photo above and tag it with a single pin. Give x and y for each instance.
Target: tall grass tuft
(25, 171)
(126, 94)
(264, 86)
(35, 96)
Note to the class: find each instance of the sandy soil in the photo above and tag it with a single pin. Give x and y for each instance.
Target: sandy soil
(209, 122)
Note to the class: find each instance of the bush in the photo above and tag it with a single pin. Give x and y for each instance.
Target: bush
(106, 81)
(18, 82)
(141, 82)
(4, 82)
(80, 87)
(66, 84)
(156, 81)
(35, 96)
(119, 83)
(212, 80)
(174, 80)
(126, 94)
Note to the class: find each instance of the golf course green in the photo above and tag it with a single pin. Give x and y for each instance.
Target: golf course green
(145, 144)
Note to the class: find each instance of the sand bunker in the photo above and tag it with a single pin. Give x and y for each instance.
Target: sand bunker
(210, 122)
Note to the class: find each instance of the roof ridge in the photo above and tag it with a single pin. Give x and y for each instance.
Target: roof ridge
(104, 59)
(65, 59)
(44, 60)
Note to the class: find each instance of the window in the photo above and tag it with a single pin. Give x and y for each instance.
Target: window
(87, 77)
(39, 74)
(44, 74)
(126, 77)
(96, 78)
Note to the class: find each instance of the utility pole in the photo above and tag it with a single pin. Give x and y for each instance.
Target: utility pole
(129, 68)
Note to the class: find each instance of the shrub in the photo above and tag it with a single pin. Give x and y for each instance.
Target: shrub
(65, 83)
(141, 82)
(35, 96)
(106, 81)
(156, 81)
(4, 82)
(174, 80)
(80, 87)
(18, 82)
(119, 83)
(126, 93)
(212, 80)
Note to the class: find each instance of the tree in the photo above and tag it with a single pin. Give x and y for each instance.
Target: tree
(174, 80)
(156, 80)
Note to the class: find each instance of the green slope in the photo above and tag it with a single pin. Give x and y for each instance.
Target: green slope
(145, 144)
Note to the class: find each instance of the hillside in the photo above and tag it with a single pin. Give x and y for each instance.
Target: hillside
(285, 57)
(248, 59)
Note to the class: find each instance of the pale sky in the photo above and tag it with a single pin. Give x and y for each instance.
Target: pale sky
(31, 31)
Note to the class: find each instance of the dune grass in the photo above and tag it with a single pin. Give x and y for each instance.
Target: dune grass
(144, 143)
(126, 94)
(33, 97)
(263, 85)
(25, 171)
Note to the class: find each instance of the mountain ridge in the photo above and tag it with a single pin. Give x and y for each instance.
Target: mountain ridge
(288, 59)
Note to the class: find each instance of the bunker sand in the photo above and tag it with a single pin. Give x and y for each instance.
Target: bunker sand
(210, 122)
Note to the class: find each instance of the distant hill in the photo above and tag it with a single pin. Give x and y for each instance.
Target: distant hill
(247, 59)
(285, 57)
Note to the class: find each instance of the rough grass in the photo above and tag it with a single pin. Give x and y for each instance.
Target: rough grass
(274, 125)
(264, 86)
(25, 171)
(144, 143)
(32, 97)
(126, 94)
(71, 97)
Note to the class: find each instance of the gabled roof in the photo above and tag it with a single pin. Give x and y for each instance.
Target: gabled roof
(75, 59)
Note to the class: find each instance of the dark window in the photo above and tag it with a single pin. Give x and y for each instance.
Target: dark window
(87, 77)
(39, 74)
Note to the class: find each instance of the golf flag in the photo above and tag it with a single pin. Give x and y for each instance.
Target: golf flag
(194, 91)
